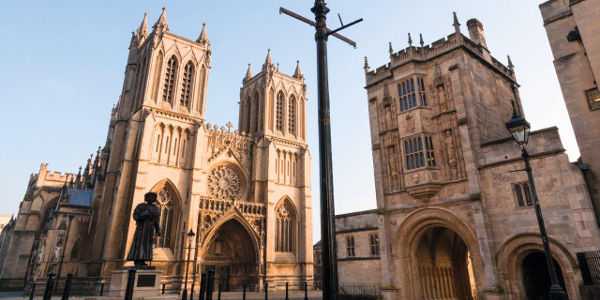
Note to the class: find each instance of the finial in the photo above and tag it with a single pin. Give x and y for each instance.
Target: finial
(511, 66)
(229, 125)
(456, 24)
(410, 41)
(298, 73)
(421, 40)
(203, 37)
(390, 48)
(161, 24)
(366, 65)
(248, 73)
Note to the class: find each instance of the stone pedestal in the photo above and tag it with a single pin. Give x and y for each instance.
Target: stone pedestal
(146, 283)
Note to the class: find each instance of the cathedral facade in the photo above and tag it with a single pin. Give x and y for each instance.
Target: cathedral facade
(244, 194)
(455, 213)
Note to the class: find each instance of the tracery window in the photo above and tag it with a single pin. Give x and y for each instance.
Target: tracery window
(419, 152)
(412, 93)
(284, 234)
(187, 84)
(279, 112)
(166, 203)
(292, 116)
(170, 77)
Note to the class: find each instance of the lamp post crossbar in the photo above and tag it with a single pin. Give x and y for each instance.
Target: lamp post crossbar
(328, 253)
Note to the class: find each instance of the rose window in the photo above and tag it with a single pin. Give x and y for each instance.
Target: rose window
(224, 183)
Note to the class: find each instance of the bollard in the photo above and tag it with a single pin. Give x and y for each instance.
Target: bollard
(219, 292)
(244, 292)
(162, 290)
(101, 288)
(130, 283)
(67, 289)
(49, 287)
(32, 294)
(266, 290)
(287, 296)
(210, 284)
(202, 286)
(305, 290)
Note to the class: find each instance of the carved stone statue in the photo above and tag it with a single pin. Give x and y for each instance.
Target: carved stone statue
(146, 216)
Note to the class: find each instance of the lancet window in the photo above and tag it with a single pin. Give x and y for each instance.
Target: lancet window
(170, 77)
(292, 116)
(187, 84)
(279, 112)
(285, 227)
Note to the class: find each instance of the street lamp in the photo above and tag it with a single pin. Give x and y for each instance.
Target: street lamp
(519, 128)
(190, 235)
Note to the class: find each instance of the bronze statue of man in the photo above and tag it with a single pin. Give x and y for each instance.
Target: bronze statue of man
(146, 216)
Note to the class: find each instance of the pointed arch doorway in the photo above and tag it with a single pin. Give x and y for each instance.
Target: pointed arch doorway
(536, 279)
(232, 254)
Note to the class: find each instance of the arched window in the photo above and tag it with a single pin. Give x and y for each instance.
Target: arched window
(292, 116)
(286, 224)
(279, 112)
(187, 84)
(168, 205)
(170, 77)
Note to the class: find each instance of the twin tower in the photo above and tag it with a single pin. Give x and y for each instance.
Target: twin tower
(245, 193)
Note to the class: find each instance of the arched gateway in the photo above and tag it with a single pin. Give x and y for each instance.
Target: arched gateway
(232, 254)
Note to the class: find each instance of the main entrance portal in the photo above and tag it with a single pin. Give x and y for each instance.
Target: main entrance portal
(233, 257)
(444, 266)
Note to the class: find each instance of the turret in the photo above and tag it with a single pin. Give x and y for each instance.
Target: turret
(476, 32)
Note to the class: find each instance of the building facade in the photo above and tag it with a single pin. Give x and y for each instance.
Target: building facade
(454, 206)
(573, 35)
(244, 193)
(358, 254)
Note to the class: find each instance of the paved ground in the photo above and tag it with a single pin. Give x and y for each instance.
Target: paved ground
(278, 295)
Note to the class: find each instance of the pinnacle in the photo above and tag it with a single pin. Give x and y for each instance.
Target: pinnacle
(203, 38)
(161, 23)
(248, 73)
(298, 72)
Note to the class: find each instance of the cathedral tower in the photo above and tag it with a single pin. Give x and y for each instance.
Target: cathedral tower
(273, 113)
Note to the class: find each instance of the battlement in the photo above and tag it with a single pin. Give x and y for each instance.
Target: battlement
(429, 52)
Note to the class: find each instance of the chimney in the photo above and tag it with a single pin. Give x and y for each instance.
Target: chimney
(476, 32)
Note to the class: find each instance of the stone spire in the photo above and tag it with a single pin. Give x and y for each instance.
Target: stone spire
(298, 72)
(410, 40)
(142, 31)
(161, 24)
(421, 41)
(511, 66)
(203, 37)
(248, 73)
(366, 64)
(456, 24)
(390, 48)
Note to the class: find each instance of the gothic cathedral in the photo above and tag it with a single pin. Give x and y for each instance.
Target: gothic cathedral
(245, 194)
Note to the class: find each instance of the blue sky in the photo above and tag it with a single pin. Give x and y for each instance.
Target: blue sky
(62, 65)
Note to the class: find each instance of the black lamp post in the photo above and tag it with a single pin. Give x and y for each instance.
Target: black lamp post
(190, 235)
(519, 129)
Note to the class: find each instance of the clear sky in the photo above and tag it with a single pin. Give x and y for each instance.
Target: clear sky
(62, 64)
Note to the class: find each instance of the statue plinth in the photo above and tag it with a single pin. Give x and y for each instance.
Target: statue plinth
(146, 283)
